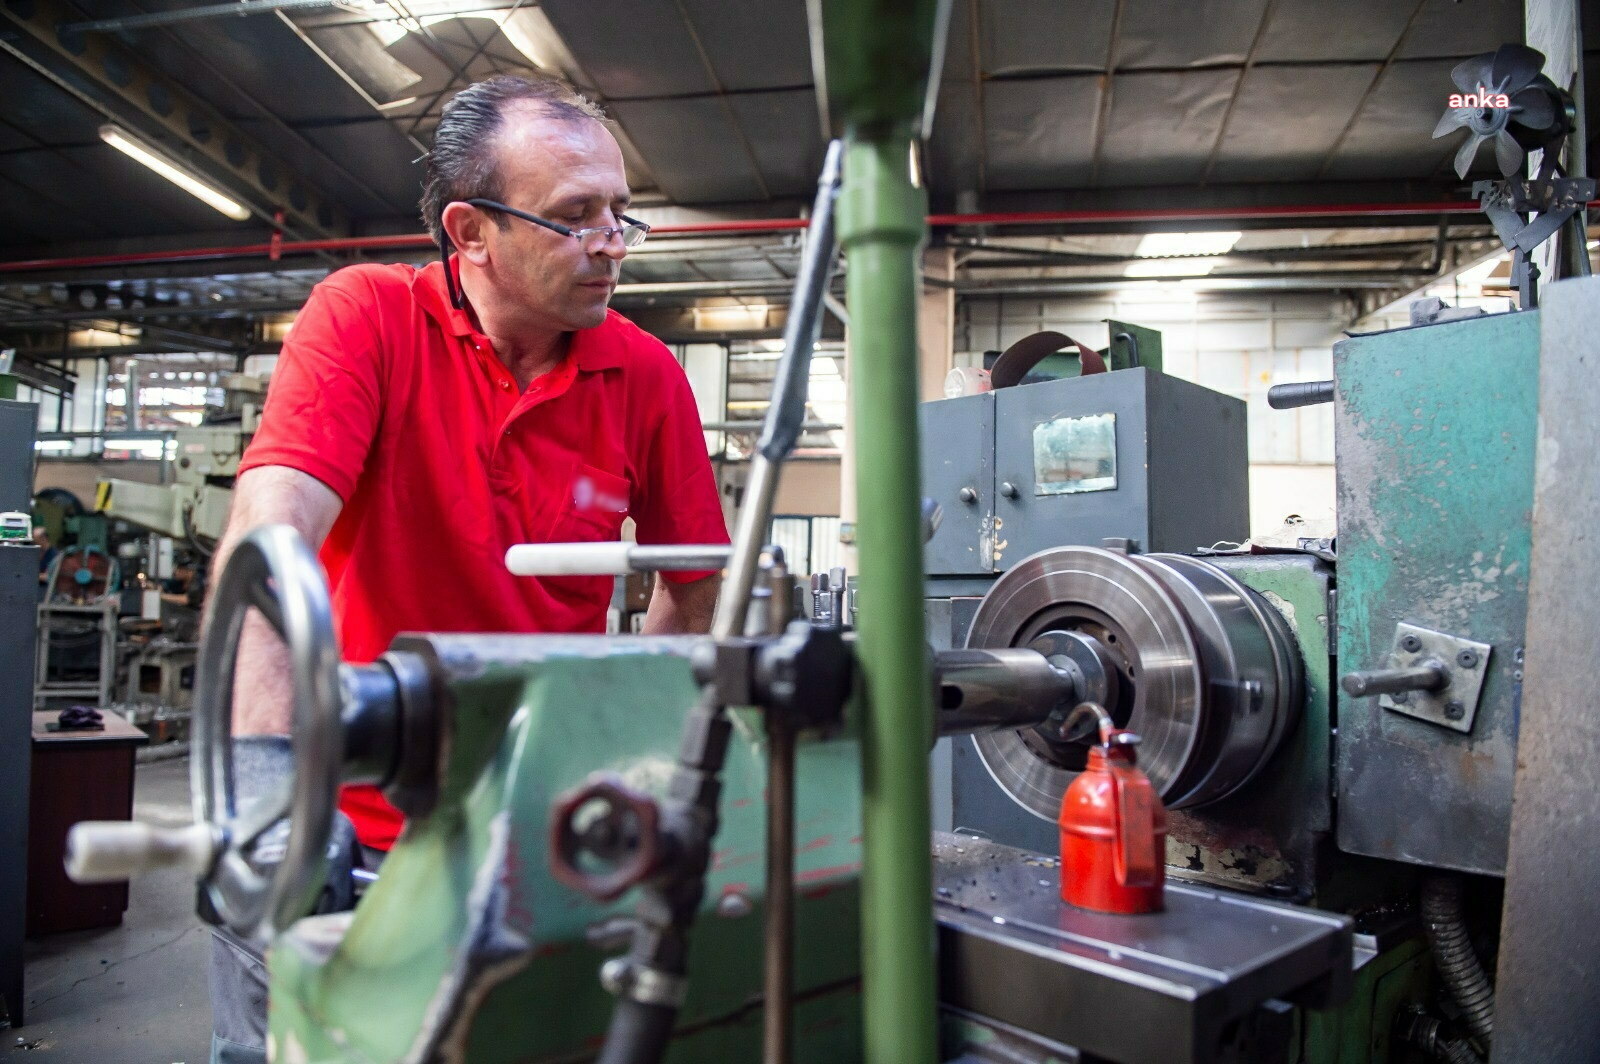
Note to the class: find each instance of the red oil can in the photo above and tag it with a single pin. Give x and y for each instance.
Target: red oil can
(1113, 833)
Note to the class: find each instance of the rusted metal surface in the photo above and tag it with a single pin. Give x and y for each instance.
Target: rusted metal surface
(1434, 429)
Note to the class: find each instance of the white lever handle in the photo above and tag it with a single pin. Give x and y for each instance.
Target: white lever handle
(611, 559)
(110, 851)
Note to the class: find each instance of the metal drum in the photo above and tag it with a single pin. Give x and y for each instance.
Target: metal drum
(1196, 663)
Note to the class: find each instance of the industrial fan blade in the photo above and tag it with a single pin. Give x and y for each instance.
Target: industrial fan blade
(1466, 153)
(1532, 108)
(1469, 74)
(1449, 122)
(1508, 153)
(1514, 67)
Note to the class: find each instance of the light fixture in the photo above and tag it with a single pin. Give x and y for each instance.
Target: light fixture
(1161, 245)
(1186, 267)
(1180, 254)
(126, 143)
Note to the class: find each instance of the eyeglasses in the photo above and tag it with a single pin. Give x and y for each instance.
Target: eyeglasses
(591, 239)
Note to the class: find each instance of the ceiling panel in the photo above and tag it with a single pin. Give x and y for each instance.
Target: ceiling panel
(1039, 36)
(691, 147)
(955, 147)
(40, 112)
(1463, 27)
(1393, 136)
(1313, 31)
(1039, 132)
(754, 44)
(785, 133)
(1185, 34)
(1162, 126)
(633, 50)
(1286, 119)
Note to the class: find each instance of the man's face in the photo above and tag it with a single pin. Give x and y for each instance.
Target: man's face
(569, 172)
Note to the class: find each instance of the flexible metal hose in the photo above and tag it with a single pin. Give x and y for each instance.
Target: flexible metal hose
(1452, 952)
(1423, 1031)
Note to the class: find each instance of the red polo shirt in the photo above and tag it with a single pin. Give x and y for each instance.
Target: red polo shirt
(390, 396)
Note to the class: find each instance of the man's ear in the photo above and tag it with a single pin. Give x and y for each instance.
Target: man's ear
(467, 229)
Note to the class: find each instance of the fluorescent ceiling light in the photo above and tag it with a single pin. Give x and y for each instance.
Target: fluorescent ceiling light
(1160, 245)
(124, 142)
(52, 445)
(1171, 267)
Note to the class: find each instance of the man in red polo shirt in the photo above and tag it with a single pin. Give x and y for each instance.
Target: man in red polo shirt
(422, 421)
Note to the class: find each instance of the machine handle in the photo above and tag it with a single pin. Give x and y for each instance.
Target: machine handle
(610, 559)
(1426, 676)
(1304, 393)
(111, 851)
(1134, 855)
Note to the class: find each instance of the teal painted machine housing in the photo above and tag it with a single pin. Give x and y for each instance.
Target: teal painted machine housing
(1435, 430)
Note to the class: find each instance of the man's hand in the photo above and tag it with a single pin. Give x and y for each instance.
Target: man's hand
(682, 609)
(270, 495)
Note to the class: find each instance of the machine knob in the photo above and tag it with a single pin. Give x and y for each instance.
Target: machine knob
(1300, 393)
(968, 495)
(1009, 490)
(110, 851)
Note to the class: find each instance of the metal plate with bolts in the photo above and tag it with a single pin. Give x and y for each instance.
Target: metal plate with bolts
(1465, 664)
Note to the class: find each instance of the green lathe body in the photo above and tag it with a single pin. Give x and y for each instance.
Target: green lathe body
(466, 949)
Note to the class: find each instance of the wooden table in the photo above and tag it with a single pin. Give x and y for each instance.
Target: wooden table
(77, 775)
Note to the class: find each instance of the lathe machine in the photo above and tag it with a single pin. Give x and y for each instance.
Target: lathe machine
(720, 848)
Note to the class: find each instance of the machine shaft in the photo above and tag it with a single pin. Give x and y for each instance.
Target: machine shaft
(1011, 687)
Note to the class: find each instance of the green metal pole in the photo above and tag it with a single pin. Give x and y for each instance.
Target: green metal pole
(881, 230)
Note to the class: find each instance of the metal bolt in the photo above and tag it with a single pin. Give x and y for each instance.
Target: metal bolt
(734, 905)
(1410, 644)
(1517, 656)
(1467, 659)
(968, 495)
(1400, 698)
(1454, 710)
(1009, 490)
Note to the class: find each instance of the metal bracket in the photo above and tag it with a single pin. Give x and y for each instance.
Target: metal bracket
(1466, 663)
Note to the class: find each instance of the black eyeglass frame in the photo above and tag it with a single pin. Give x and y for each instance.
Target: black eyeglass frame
(458, 301)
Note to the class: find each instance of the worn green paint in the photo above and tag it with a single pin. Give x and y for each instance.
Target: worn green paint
(1361, 1030)
(359, 987)
(1435, 429)
(1251, 839)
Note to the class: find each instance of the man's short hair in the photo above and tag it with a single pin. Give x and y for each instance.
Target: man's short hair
(464, 162)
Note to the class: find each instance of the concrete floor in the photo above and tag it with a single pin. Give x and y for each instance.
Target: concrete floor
(134, 994)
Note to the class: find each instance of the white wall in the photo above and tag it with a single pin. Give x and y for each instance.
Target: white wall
(1238, 344)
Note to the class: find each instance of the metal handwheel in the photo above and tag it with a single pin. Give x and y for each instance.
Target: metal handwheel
(275, 571)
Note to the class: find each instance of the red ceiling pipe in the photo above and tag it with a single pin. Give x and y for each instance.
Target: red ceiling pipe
(773, 225)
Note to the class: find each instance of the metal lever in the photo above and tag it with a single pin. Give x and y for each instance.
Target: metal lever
(1427, 676)
(1304, 393)
(611, 559)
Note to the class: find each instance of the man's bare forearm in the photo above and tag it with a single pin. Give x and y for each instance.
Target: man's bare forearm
(270, 495)
(682, 609)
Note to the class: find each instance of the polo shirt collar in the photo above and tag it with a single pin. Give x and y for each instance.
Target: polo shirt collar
(602, 347)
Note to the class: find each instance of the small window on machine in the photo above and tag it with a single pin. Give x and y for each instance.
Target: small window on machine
(1075, 454)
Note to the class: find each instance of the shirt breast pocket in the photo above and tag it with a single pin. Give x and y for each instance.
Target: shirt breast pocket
(597, 505)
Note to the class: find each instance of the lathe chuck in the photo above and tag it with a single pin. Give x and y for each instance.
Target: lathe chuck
(1199, 665)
